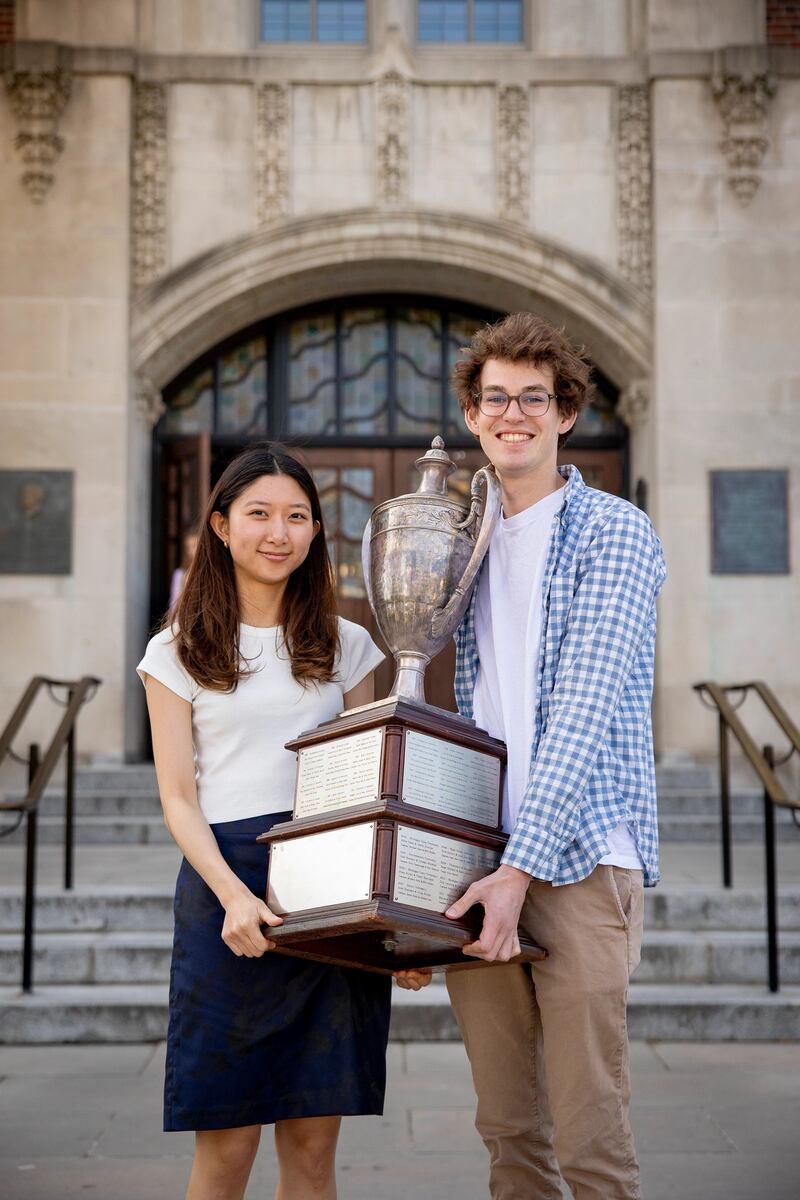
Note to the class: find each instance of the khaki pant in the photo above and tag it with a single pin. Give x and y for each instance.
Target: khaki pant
(548, 1044)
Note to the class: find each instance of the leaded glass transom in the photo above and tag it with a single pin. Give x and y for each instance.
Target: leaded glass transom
(346, 495)
(372, 371)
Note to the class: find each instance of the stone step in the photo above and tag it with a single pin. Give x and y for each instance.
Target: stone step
(668, 956)
(116, 909)
(142, 829)
(138, 1013)
(129, 802)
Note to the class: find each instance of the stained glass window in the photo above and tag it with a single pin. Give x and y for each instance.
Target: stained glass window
(312, 375)
(191, 410)
(460, 330)
(470, 20)
(242, 383)
(365, 371)
(346, 495)
(419, 370)
(313, 20)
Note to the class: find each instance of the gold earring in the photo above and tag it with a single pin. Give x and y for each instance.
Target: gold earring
(225, 544)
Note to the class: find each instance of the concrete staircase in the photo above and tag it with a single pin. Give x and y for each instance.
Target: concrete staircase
(102, 953)
(120, 806)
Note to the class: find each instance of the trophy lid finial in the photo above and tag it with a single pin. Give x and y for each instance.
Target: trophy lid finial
(435, 466)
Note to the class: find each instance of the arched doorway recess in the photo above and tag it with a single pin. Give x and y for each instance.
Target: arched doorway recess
(359, 381)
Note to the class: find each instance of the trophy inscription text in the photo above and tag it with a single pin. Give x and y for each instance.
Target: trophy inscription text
(338, 774)
(451, 779)
(432, 870)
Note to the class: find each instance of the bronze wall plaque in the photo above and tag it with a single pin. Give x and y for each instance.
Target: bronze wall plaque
(36, 522)
(445, 777)
(338, 774)
(750, 522)
(431, 871)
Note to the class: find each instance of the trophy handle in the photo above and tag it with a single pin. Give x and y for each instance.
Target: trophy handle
(483, 480)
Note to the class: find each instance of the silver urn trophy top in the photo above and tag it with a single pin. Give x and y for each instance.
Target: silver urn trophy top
(424, 553)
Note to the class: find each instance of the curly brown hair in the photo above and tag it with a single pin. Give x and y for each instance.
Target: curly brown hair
(206, 622)
(526, 337)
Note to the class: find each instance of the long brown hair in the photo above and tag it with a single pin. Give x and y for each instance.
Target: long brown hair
(206, 621)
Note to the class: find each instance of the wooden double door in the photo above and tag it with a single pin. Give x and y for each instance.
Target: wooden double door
(351, 482)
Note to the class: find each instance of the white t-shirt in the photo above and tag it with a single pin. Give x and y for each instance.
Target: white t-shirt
(241, 765)
(508, 632)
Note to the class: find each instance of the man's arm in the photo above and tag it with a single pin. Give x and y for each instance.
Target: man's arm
(610, 613)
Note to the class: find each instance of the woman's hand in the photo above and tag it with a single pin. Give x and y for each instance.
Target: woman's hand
(414, 980)
(241, 929)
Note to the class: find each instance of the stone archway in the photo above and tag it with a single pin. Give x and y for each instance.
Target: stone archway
(320, 258)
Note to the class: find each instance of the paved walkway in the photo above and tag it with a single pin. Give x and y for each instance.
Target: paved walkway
(713, 1122)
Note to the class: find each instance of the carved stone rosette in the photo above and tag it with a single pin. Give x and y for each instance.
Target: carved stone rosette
(149, 181)
(513, 152)
(633, 405)
(634, 185)
(743, 103)
(38, 99)
(393, 121)
(272, 152)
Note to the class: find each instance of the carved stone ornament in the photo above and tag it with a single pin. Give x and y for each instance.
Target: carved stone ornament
(38, 99)
(393, 119)
(149, 183)
(634, 185)
(149, 404)
(513, 152)
(743, 102)
(272, 152)
(634, 404)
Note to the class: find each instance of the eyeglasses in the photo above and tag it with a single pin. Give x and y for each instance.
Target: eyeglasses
(533, 402)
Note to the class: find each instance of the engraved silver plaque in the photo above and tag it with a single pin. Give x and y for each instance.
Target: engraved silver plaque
(452, 779)
(339, 773)
(431, 871)
(332, 867)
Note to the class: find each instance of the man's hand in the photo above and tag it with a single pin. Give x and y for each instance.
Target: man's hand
(414, 980)
(502, 894)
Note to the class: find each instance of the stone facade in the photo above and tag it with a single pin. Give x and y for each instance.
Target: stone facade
(167, 179)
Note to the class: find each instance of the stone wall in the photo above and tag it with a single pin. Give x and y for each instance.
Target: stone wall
(206, 180)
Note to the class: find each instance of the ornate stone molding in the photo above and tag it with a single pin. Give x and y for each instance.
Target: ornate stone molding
(392, 151)
(634, 185)
(38, 99)
(272, 152)
(513, 152)
(633, 405)
(149, 403)
(743, 102)
(149, 182)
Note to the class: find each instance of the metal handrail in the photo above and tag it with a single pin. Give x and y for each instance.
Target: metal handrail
(40, 770)
(763, 762)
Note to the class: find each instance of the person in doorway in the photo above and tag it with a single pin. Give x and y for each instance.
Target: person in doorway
(188, 551)
(555, 656)
(254, 655)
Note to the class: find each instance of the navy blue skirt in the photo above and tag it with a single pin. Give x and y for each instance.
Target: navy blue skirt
(257, 1040)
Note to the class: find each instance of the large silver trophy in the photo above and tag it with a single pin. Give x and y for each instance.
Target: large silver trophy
(397, 804)
(424, 554)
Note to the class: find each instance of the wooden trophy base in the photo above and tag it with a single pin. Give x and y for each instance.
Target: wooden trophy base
(397, 811)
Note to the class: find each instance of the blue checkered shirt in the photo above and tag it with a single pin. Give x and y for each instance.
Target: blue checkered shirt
(591, 742)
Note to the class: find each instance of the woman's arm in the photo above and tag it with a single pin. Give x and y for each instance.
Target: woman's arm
(245, 913)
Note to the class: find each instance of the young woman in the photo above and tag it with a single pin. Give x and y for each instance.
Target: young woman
(254, 656)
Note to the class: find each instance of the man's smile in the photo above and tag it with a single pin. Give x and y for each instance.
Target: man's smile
(522, 436)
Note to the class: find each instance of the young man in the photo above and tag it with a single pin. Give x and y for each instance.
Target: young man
(555, 656)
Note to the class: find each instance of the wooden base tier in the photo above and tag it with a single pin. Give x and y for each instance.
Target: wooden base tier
(385, 937)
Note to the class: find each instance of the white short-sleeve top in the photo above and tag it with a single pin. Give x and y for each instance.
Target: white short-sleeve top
(242, 768)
